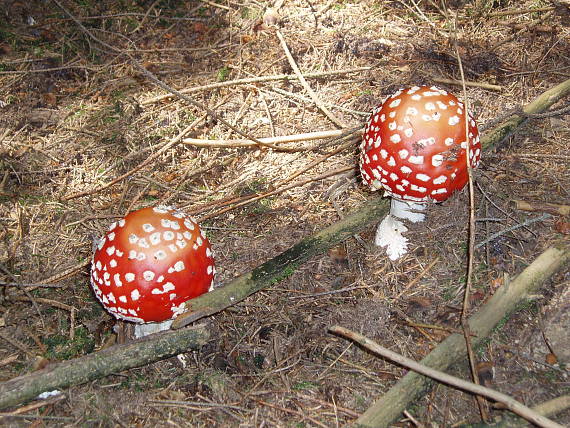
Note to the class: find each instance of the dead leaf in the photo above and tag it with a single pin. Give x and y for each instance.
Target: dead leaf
(562, 226)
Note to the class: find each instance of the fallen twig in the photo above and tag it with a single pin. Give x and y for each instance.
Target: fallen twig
(555, 209)
(259, 79)
(99, 364)
(309, 136)
(508, 402)
(305, 85)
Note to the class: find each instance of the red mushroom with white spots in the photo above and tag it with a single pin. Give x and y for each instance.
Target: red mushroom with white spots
(149, 263)
(414, 148)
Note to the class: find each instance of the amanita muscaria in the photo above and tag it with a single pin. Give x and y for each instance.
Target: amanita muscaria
(414, 148)
(149, 263)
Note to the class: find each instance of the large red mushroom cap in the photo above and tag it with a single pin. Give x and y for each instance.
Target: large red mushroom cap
(149, 263)
(414, 145)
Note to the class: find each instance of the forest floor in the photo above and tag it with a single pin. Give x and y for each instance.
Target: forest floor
(76, 115)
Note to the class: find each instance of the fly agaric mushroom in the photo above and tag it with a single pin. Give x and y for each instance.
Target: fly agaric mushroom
(149, 264)
(414, 148)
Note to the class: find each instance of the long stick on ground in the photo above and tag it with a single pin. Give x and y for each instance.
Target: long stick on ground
(510, 403)
(390, 406)
(100, 364)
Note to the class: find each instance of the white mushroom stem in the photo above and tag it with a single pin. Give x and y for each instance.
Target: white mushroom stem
(390, 230)
(142, 330)
(406, 210)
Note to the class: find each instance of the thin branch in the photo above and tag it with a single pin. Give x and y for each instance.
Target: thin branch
(259, 79)
(508, 402)
(305, 85)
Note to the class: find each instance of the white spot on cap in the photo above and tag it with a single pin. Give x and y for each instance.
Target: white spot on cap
(199, 241)
(440, 180)
(449, 141)
(395, 138)
(179, 266)
(392, 114)
(148, 275)
(119, 253)
(429, 106)
(129, 277)
(123, 299)
(168, 235)
(111, 297)
(111, 236)
(439, 191)
(441, 105)
(147, 227)
(408, 132)
(154, 238)
(132, 255)
(160, 278)
(416, 97)
(160, 209)
(436, 116)
(160, 255)
(172, 248)
(189, 224)
(383, 153)
(117, 279)
(406, 169)
(113, 263)
(453, 120)
(98, 265)
(422, 177)
(411, 111)
(392, 126)
(110, 250)
(172, 296)
(395, 103)
(133, 238)
(417, 160)
(143, 243)
(393, 176)
(141, 256)
(403, 154)
(121, 222)
(391, 161)
(377, 142)
(210, 270)
(112, 226)
(181, 243)
(437, 160)
(187, 235)
(418, 188)
(426, 117)
(208, 252)
(382, 117)
(132, 312)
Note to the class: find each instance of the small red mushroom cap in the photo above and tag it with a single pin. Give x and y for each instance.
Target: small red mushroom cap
(149, 263)
(414, 145)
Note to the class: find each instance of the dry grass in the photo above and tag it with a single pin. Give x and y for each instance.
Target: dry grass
(81, 125)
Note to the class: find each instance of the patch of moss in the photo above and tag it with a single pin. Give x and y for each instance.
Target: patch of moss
(60, 347)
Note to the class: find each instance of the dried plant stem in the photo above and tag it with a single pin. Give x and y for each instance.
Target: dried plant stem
(305, 85)
(508, 402)
(481, 403)
(556, 209)
(260, 79)
(471, 84)
(309, 136)
(505, 300)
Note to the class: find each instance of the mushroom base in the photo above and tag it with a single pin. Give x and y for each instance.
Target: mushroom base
(142, 330)
(390, 231)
